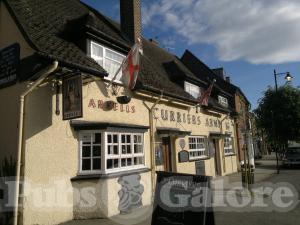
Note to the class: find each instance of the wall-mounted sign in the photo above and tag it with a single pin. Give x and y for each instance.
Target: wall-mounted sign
(213, 123)
(9, 65)
(172, 116)
(200, 167)
(102, 104)
(182, 199)
(72, 97)
(183, 156)
(182, 143)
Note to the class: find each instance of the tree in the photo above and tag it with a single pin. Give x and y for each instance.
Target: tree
(278, 114)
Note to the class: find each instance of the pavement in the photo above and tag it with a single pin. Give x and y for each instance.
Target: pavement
(265, 178)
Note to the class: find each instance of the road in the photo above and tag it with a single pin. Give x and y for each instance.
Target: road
(265, 177)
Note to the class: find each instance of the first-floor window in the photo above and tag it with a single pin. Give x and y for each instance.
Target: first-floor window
(197, 147)
(111, 151)
(228, 145)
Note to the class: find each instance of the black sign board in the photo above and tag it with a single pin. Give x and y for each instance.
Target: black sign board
(72, 97)
(183, 156)
(182, 199)
(9, 65)
(200, 167)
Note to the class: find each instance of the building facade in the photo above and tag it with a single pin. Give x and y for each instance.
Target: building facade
(102, 163)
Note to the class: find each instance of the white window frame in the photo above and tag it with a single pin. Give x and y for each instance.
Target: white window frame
(222, 100)
(188, 87)
(105, 156)
(202, 151)
(110, 76)
(228, 148)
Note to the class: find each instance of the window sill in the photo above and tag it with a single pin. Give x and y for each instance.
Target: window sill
(107, 176)
(199, 159)
(230, 154)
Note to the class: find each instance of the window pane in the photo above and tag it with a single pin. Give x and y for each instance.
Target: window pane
(96, 50)
(109, 164)
(96, 164)
(86, 164)
(116, 138)
(128, 149)
(116, 151)
(109, 138)
(114, 56)
(97, 138)
(123, 162)
(86, 138)
(129, 161)
(86, 151)
(96, 150)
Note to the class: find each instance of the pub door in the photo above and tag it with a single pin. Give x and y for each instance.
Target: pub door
(167, 151)
(215, 146)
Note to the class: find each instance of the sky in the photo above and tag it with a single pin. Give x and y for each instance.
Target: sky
(248, 38)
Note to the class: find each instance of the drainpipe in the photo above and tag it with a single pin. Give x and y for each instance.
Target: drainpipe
(222, 143)
(42, 76)
(152, 140)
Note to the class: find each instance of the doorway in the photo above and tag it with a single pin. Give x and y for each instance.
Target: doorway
(167, 151)
(214, 143)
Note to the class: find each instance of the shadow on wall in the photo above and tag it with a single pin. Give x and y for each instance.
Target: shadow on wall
(38, 111)
(7, 173)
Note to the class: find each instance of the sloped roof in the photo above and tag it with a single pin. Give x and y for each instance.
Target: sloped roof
(50, 25)
(42, 21)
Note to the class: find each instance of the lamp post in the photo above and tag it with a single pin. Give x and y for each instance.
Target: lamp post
(288, 77)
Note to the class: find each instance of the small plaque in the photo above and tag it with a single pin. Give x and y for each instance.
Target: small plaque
(183, 156)
(9, 65)
(182, 143)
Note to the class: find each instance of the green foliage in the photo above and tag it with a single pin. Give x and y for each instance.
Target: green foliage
(278, 114)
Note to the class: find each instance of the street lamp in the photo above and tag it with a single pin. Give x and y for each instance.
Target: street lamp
(288, 77)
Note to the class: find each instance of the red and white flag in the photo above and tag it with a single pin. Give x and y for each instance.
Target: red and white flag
(203, 100)
(131, 66)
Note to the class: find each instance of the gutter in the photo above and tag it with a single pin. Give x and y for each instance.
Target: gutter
(42, 76)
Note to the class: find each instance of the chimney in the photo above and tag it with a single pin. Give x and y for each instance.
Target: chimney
(131, 19)
(228, 79)
(219, 72)
(154, 41)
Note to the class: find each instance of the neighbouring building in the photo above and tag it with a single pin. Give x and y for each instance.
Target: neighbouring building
(102, 163)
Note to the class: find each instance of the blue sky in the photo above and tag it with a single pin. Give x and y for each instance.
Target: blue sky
(249, 38)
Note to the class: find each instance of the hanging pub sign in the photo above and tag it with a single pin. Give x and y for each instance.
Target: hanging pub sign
(183, 199)
(9, 65)
(72, 97)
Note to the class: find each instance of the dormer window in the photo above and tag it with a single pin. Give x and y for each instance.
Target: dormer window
(223, 101)
(192, 89)
(107, 58)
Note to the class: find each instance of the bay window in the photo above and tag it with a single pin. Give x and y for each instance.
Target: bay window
(107, 152)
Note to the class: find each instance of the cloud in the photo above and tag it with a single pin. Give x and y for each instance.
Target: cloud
(258, 31)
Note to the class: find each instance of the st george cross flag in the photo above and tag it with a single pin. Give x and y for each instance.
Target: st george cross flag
(131, 66)
(203, 100)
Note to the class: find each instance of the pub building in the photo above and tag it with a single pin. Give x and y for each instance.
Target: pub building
(65, 128)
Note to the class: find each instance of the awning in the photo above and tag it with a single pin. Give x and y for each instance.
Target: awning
(171, 131)
(214, 135)
(91, 125)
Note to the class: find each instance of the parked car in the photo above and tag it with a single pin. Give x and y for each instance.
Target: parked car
(292, 157)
